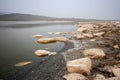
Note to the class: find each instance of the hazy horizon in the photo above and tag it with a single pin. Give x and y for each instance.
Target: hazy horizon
(86, 9)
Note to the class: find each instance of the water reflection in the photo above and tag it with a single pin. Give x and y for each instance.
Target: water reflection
(18, 44)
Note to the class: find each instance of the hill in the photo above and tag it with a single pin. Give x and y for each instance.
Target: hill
(30, 17)
(23, 17)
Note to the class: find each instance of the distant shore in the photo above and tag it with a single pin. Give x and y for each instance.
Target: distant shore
(23, 24)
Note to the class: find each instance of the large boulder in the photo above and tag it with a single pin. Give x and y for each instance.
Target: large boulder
(82, 66)
(94, 53)
(74, 76)
(46, 40)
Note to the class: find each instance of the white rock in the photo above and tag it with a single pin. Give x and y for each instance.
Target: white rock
(116, 46)
(74, 76)
(82, 65)
(92, 39)
(94, 53)
(42, 53)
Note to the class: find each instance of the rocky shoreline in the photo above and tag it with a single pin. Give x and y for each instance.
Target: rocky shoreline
(105, 36)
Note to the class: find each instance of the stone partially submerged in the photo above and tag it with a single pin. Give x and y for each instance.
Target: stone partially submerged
(94, 53)
(52, 40)
(60, 39)
(20, 64)
(58, 33)
(42, 53)
(82, 66)
(38, 36)
(46, 40)
(74, 76)
(50, 32)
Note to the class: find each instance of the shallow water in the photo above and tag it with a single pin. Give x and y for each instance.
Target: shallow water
(18, 44)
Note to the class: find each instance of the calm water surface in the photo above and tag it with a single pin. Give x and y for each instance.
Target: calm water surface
(17, 44)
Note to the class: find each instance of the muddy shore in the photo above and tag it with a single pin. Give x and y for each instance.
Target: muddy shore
(54, 67)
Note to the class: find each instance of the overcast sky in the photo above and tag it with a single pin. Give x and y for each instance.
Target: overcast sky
(92, 9)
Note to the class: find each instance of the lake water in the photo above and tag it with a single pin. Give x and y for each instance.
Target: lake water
(18, 44)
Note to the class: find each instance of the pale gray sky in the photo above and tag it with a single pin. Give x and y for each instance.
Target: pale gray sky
(97, 9)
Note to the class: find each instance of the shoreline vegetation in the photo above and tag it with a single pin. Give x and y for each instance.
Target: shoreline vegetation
(92, 53)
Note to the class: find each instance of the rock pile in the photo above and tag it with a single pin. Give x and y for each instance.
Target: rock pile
(88, 31)
(101, 41)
